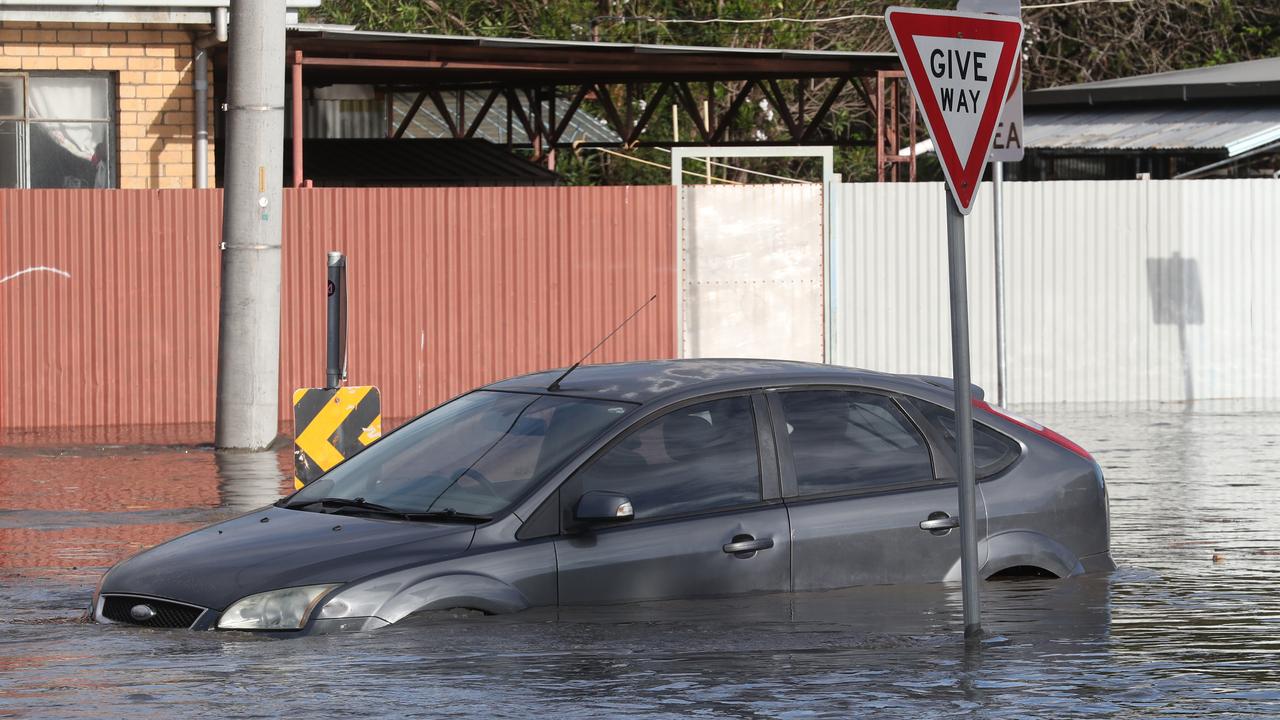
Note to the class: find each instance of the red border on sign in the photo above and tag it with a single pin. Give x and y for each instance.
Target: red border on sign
(905, 24)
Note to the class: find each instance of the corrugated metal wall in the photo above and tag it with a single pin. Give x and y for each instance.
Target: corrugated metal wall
(120, 328)
(457, 287)
(752, 271)
(1087, 269)
(450, 288)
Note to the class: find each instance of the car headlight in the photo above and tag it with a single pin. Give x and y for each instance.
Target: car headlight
(97, 590)
(93, 603)
(284, 609)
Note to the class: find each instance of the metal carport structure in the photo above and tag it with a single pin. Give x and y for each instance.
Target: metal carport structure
(543, 84)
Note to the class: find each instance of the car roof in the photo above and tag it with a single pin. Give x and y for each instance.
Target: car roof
(659, 380)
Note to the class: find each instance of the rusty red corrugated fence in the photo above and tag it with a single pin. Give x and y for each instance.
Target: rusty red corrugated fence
(110, 334)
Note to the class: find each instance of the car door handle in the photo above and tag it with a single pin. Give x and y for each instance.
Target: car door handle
(940, 523)
(747, 544)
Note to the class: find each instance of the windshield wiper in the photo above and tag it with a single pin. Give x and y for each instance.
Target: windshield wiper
(447, 515)
(338, 504)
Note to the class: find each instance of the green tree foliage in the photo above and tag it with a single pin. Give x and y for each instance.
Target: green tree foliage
(1065, 44)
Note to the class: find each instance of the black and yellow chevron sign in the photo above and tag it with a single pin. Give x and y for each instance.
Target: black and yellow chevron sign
(332, 425)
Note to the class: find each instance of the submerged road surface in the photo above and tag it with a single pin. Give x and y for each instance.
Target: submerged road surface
(1189, 626)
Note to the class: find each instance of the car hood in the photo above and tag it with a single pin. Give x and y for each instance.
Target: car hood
(277, 548)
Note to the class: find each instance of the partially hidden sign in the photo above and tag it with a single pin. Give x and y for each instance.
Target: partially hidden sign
(959, 66)
(332, 425)
(1007, 145)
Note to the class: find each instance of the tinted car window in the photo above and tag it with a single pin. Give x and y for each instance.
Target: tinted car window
(694, 459)
(476, 454)
(843, 441)
(992, 451)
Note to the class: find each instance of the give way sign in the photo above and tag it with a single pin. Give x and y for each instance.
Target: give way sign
(959, 66)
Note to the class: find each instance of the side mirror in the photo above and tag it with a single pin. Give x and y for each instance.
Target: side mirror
(601, 506)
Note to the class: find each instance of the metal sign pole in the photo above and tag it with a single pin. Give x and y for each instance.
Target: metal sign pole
(933, 45)
(997, 197)
(964, 419)
(336, 326)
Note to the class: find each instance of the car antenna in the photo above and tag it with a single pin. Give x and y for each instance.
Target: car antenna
(555, 386)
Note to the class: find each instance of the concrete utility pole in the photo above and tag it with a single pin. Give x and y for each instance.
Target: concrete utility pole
(249, 332)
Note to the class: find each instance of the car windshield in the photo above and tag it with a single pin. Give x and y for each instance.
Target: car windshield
(475, 455)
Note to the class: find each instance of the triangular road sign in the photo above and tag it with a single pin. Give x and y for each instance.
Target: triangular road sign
(959, 66)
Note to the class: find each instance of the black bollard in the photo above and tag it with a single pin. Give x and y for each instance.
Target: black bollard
(336, 328)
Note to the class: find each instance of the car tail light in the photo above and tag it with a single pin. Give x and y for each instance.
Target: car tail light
(1034, 427)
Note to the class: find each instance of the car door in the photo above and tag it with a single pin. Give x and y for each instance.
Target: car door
(858, 479)
(708, 519)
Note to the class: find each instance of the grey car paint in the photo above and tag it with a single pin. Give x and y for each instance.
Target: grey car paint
(1047, 510)
(687, 557)
(275, 548)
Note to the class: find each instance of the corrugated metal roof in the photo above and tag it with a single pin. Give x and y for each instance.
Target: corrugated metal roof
(341, 55)
(1231, 130)
(428, 123)
(1251, 79)
(345, 33)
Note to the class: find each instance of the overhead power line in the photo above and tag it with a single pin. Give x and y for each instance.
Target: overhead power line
(754, 21)
(820, 20)
(642, 161)
(714, 163)
(1069, 3)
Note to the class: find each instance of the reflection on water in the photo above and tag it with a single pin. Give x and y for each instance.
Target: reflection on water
(1187, 626)
(88, 508)
(250, 480)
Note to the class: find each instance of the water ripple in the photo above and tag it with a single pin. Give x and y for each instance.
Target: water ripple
(1189, 626)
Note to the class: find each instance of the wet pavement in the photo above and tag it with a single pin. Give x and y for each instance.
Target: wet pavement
(1188, 626)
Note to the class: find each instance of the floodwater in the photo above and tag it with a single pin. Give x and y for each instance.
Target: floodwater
(1189, 626)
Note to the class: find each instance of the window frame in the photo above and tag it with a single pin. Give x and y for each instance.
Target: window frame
(25, 121)
(25, 77)
(939, 438)
(21, 123)
(568, 493)
(786, 458)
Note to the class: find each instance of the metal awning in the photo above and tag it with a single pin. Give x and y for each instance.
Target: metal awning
(163, 12)
(345, 55)
(528, 92)
(1228, 130)
(1257, 80)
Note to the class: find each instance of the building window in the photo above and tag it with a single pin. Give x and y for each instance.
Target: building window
(56, 131)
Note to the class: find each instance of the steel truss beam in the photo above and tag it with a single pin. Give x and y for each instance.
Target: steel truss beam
(629, 109)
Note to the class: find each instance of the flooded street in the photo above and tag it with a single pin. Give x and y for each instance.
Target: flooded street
(1188, 626)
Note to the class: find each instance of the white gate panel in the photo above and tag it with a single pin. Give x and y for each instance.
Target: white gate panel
(752, 272)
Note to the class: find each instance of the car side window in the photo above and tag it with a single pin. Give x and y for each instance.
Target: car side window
(844, 441)
(992, 451)
(694, 459)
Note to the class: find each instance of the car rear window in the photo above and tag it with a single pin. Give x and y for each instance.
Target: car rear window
(992, 451)
(851, 441)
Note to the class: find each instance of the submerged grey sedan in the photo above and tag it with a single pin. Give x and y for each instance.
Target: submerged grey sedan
(633, 482)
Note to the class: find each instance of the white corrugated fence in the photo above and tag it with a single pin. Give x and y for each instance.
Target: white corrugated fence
(1118, 291)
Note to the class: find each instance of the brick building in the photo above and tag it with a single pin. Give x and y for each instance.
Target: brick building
(107, 95)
